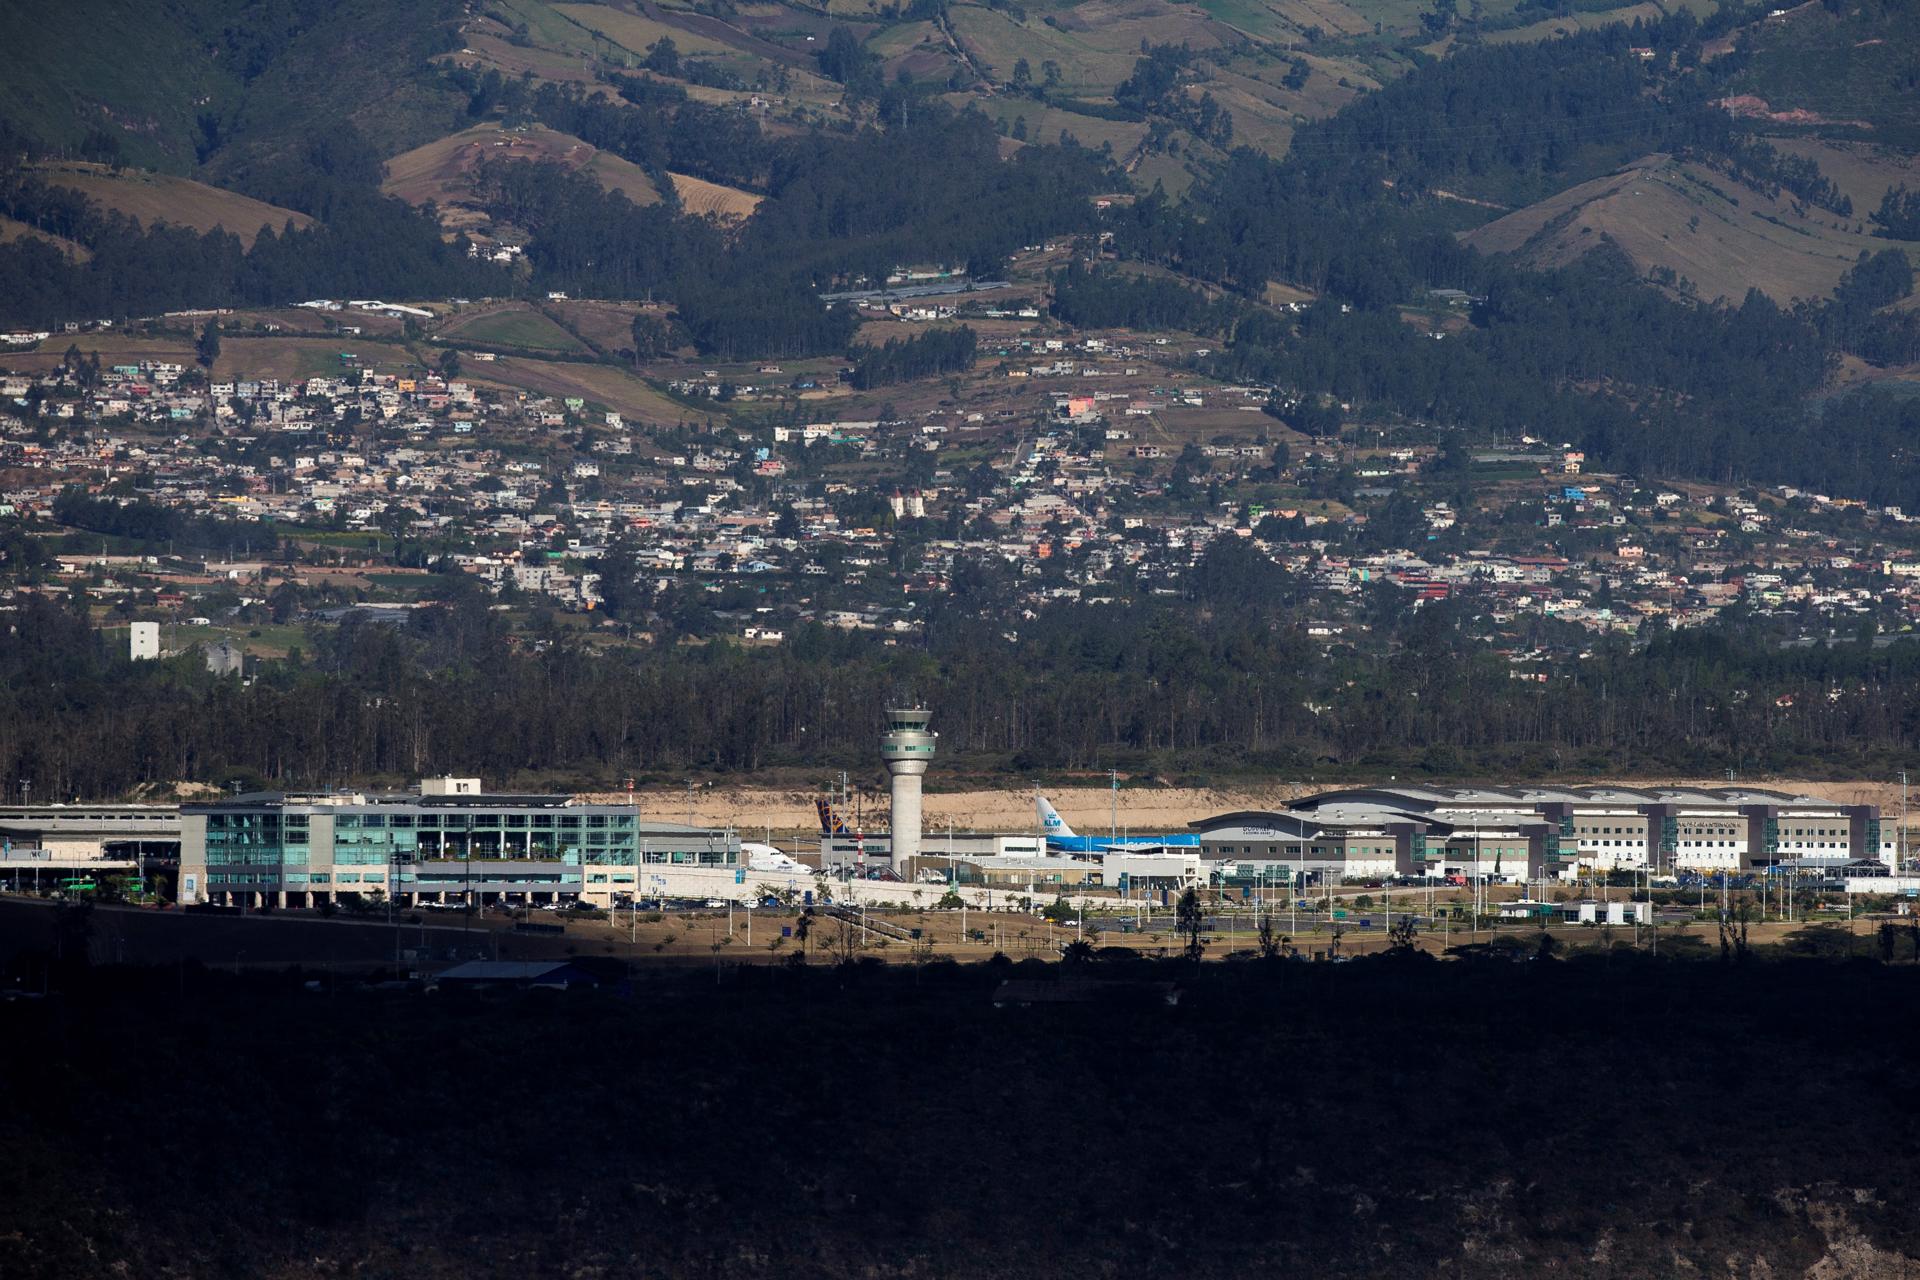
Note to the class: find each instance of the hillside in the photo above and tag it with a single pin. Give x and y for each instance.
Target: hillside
(1841, 71)
(1722, 235)
(182, 202)
(442, 171)
(710, 199)
(219, 83)
(11, 230)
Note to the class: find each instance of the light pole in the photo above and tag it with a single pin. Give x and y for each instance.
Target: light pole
(1478, 883)
(1900, 845)
(1113, 816)
(1293, 895)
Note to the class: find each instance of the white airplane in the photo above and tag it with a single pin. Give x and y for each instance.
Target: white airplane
(764, 857)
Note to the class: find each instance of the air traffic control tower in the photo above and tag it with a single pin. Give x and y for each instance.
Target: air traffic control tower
(907, 747)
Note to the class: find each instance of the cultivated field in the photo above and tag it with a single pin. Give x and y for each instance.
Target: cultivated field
(513, 325)
(1554, 28)
(638, 33)
(600, 385)
(1046, 124)
(1096, 44)
(608, 325)
(710, 199)
(297, 358)
(113, 348)
(182, 202)
(488, 50)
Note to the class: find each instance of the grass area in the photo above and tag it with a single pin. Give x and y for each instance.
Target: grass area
(601, 386)
(547, 25)
(405, 584)
(113, 348)
(1863, 170)
(515, 327)
(1170, 172)
(541, 65)
(298, 358)
(346, 538)
(606, 324)
(1554, 28)
(637, 33)
(1096, 44)
(1045, 123)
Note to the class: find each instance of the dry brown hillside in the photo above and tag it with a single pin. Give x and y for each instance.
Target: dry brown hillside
(182, 202)
(1705, 226)
(442, 171)
(1087, 808)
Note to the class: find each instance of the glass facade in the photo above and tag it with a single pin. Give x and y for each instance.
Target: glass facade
(269, 846)
(256, 849)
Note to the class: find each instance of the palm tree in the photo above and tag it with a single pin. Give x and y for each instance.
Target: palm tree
(1191, 919)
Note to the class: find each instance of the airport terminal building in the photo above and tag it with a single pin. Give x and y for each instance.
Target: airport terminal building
(1378, 832)
(443, 845)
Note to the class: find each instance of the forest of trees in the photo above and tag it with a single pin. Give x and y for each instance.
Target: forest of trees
(1898, 217)
(1222, 681)
(1109, 299)
(935, 352)
(157, 525)
(367, 245)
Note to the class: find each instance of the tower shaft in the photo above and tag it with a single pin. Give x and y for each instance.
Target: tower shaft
(907, 748)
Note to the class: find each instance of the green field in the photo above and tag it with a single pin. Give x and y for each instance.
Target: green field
(1045, 124)
(527, 329)
(1096, 51)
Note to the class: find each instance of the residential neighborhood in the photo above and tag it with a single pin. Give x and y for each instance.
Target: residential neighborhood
(1089, 465)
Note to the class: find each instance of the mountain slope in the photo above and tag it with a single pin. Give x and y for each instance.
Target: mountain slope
(442, 171)
(160, 197)
(177, 83)
(1718, 233)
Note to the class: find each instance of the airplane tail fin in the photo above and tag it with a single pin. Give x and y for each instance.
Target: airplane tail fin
(1051, 823)
(831, 824)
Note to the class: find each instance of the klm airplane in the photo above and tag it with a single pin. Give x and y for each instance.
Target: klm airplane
(1061, 837)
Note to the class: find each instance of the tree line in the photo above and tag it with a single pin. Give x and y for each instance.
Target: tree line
(1224, 680)
(937, 351)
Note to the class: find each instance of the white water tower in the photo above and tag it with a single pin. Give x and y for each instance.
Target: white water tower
(907, 747)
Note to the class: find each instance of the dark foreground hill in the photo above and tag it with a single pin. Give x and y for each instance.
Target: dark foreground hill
(1382, 1119)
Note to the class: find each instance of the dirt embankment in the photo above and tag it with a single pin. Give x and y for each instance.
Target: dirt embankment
(1092, 810)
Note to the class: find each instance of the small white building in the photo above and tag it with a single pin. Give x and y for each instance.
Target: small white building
(143, 641)
(1593, 912)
